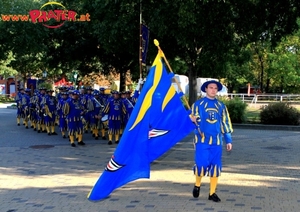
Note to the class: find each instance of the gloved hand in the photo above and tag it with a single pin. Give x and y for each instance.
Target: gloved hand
(139, 84)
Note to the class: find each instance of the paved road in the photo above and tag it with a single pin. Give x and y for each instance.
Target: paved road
(261, 174)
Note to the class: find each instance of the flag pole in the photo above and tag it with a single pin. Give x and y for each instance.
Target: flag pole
(141, 48)
(156, 43)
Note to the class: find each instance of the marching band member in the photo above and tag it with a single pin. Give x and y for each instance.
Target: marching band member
(25, 106)
(115, 109)
(74, 110)
(48, 104)
(18, 99)
(96, 114)
(62, 118)
(88, 106)
(40, 114)
(103, 124)
(33, 111)
(214, 123)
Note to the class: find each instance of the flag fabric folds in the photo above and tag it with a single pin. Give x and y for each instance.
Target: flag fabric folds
(158, 121)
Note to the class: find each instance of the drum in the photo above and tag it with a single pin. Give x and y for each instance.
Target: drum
(104, 118)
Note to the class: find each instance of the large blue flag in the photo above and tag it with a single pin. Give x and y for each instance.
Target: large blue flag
(157, 123)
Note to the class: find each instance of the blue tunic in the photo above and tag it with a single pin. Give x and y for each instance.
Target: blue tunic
(73, 110)
(214, 122)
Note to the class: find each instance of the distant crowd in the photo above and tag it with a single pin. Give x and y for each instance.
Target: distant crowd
(75, 112)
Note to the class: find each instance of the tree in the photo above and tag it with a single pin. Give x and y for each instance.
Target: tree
(203, 33)
(5, 70)
(24, 40)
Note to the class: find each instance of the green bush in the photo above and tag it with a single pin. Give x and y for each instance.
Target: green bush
(280, 113)
(6, 99)
(236, 108)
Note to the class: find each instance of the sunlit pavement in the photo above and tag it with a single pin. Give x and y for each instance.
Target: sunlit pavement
(44, 173)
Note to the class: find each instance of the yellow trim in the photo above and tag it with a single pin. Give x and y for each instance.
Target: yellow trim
(202, 171)
(203, 138)
(196, 139)
(211, 121)
(215, 171)
(210, 140)
(147, 101)
(213, 109)
(216, 106)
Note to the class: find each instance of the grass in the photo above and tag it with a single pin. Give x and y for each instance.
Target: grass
(252, 114)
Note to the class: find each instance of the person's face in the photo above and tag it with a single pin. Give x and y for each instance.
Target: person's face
(211, 90)
(116, 96)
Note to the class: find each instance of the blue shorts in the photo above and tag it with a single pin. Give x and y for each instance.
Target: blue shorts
(208, 160)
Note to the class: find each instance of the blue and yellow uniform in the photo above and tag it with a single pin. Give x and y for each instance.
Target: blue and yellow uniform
(115, 110)
(33, 111)
(40, 114)
(86, 101)
(96, 113)
(25, 106)
(73, 110)
(18, 100)
(62, 118)
(214, 122)
(48, 105)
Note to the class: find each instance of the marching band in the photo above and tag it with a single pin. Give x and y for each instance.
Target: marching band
(75, 112)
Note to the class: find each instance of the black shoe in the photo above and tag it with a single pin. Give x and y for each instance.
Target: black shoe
(18, 124)
(39, 131)
(96, 137)
(81, 143)
(196, 191)
(26, 127)
(103, 138)
(44, 131)
(73, 145)
(49, 133)
(34, 129)
(214, 197)
(116, 142)
(86, 131)
(64, 136)
(109, 143)
(31, 126)
(54, 133)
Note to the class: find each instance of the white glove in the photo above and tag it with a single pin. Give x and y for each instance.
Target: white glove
(137, 88)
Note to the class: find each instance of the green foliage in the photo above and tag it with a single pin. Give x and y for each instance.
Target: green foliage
(280, 114)
(5, 70)
(45, 85)
(237, 109)
(6, 99)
